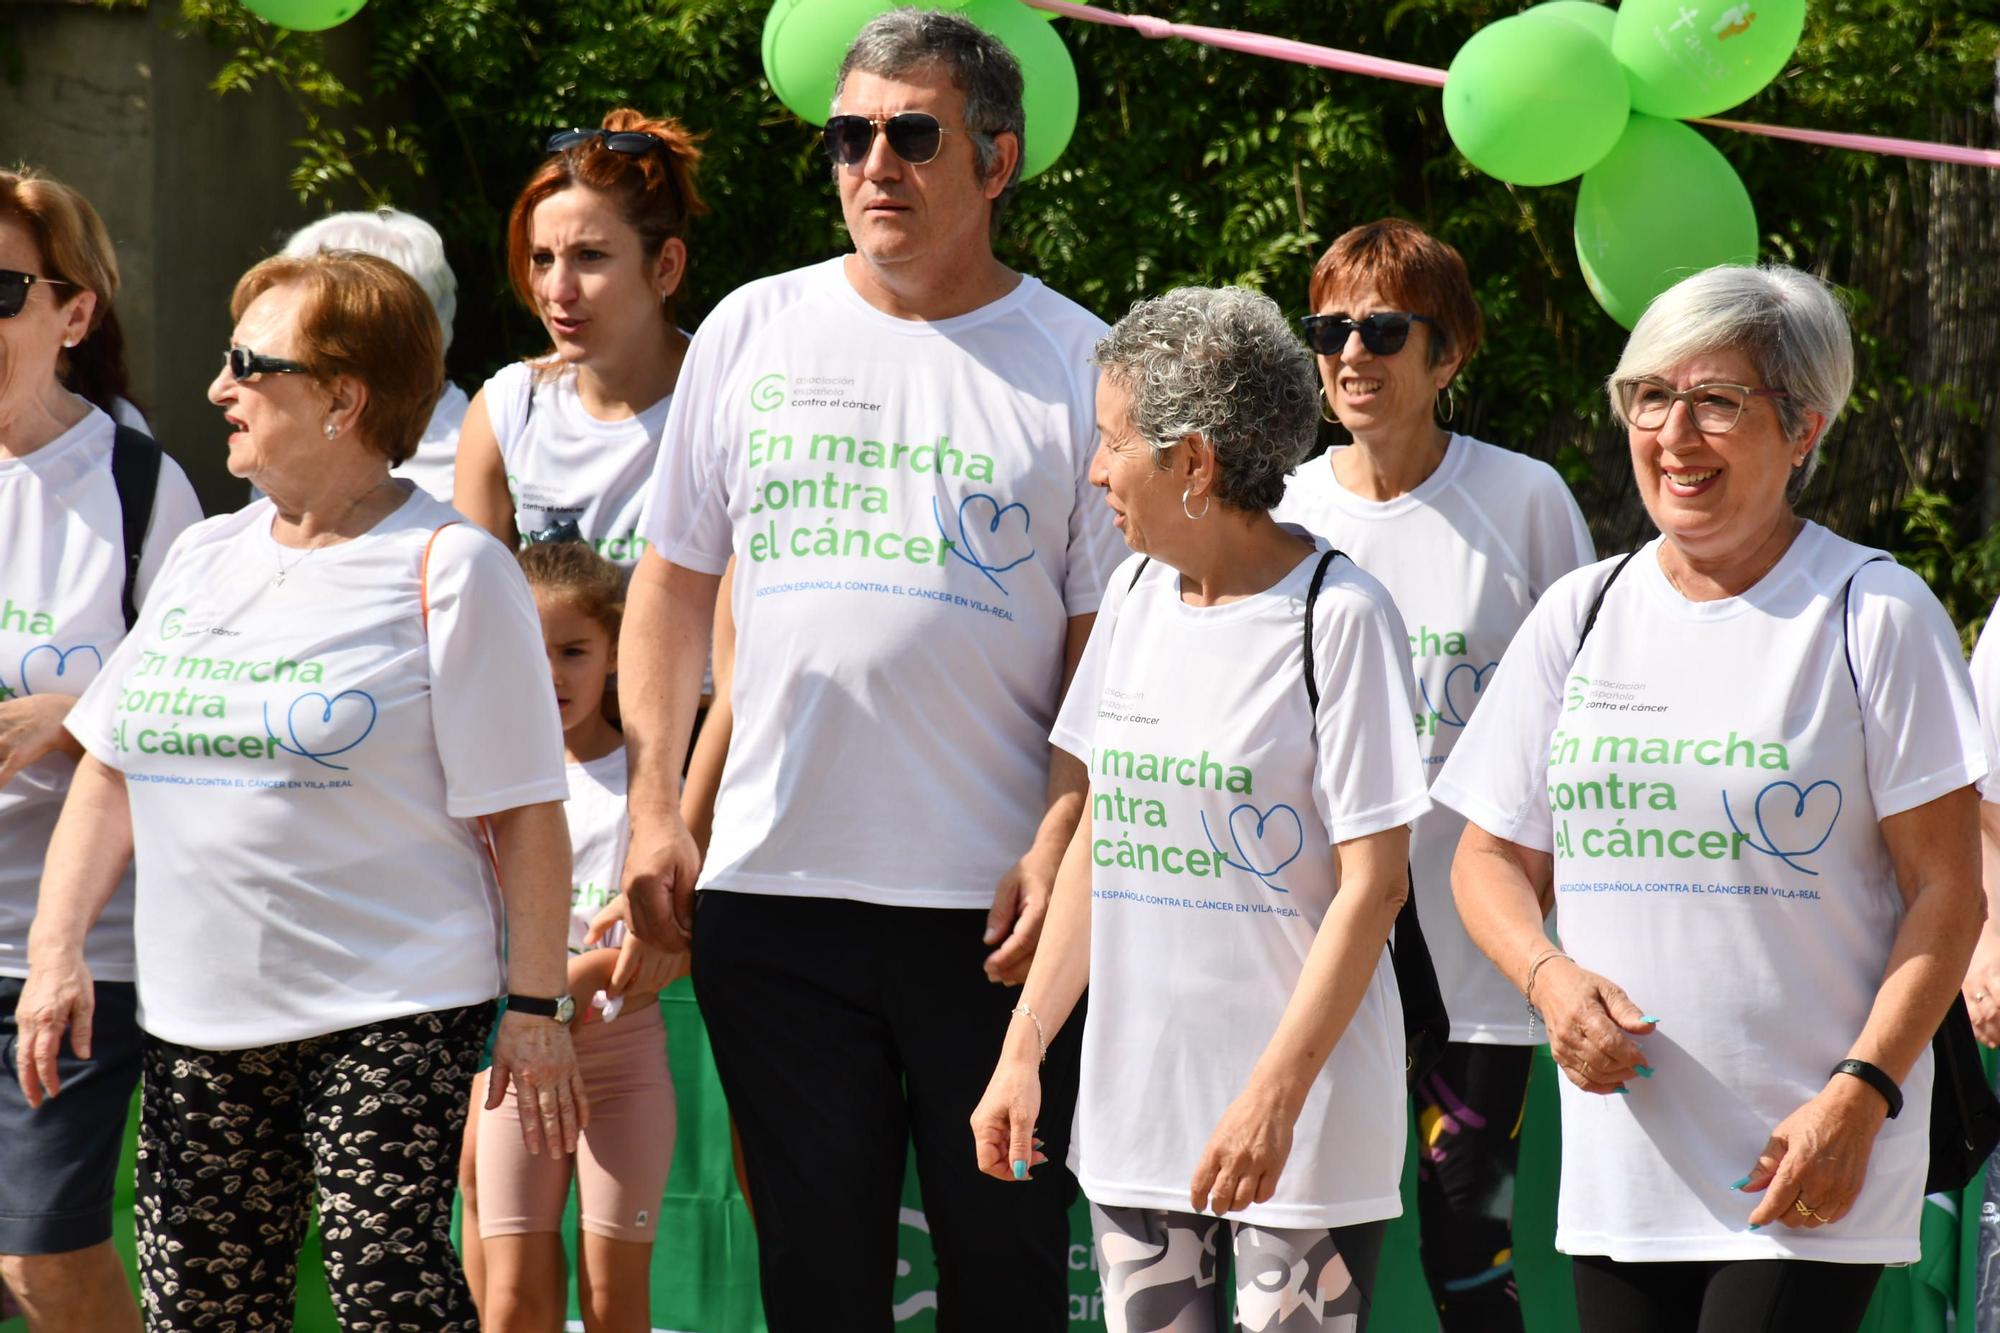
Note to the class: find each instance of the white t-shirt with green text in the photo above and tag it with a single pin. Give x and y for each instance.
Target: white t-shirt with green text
(1465, 554)
(1711, 782)
(913, 525)
(565, 465)
(599, 834)
(62, 570)
(1216, 800)
(307, 762)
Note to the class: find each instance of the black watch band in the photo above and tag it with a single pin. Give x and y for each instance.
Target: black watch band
(560, 1007)
(1876, 1079)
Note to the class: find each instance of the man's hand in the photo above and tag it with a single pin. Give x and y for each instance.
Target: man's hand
(660, 870)
(1014, 922)
(30, 727)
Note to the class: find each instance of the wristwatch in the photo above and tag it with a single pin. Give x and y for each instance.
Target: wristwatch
(562, 1008)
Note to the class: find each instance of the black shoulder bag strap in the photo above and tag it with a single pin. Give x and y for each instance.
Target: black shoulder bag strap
(1597, 604)
(1426, 1024)
(135, 471)
(1965, 1115)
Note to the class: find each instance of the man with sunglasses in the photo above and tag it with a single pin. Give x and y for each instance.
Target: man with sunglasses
(895, 447)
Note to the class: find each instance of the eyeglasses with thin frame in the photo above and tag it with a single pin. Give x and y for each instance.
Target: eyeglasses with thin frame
(1714, 408)
(246, 366)
(1383, 333)
(914, 136)
(14, 286)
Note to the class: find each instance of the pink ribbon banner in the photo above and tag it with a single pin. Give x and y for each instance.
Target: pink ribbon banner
(1374, 67)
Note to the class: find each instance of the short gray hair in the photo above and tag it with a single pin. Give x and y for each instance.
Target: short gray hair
(1221, 363)
(980, 66)
(1790, 324)
(404, 239)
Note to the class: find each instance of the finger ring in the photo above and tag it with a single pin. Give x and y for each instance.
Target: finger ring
(1804, 1209)
(1815, 1213)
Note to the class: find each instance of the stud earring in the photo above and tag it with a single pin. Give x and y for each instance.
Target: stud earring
(332, 431)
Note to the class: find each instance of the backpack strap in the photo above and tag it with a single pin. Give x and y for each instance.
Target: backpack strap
(1312, 595)
(1846, 630)
(424, 574)
(1597, 603)
(1143, 562)
(135, 472)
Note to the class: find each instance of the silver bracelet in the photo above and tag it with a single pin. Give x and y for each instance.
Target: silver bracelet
(1041, 1037)
(1528, 989)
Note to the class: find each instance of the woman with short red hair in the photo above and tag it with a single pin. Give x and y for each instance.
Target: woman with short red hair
(296, 746)
(562, 446)
(1465, 536)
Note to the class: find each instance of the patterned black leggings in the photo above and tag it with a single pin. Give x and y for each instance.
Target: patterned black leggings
(236, 1146)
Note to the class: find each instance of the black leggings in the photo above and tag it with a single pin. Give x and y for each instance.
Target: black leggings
(1742, 1296)
(1468, 1145)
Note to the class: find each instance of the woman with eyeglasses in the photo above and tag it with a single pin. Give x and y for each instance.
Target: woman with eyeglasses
(1741, 759)
(65, 579)
(1465, 536)
(561, 447)
(297, 748)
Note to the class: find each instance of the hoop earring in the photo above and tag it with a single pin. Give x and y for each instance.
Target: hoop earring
(1450, 404)
(1326, 409)
(1184, 504)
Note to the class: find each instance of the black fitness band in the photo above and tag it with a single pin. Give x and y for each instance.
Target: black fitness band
(1875, 1079)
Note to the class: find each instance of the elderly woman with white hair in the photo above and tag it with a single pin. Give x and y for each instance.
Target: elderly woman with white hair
(1742, 759)
(414, 246)
(1242, 706)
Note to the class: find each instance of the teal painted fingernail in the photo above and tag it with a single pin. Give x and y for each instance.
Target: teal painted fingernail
(1624, 1091)
(1020, 1169)
(1645, 1071)
(1756, 1226)
(1741, 1183)
(1648, 1018)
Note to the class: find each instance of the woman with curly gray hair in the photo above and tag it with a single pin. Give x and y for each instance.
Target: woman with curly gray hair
(1240, 707)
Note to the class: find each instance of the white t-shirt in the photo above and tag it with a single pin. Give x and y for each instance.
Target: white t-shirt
(1215, 803)
(913, 525)
(436, 459)
(599, 833)
(1466, 554)
(306, 763)
(1711, 790)
(62, 572)
(1986, 692)
(564, 465)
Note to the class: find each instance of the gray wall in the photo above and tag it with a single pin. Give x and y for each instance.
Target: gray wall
(192, 186)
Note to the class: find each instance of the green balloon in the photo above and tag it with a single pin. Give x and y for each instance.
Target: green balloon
(1593, 17)
(1048, 77)
(1691, 58)
(1662, 206)
(804, 43)
(1535, 99)
(305, 15)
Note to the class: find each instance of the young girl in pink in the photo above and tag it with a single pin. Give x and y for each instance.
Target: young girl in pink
(621, 1162)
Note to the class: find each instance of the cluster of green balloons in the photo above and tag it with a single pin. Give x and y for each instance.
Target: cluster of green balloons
(804, 41)
(305, 15)
(1572, 88)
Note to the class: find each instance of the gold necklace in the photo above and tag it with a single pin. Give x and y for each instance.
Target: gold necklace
(278, 579)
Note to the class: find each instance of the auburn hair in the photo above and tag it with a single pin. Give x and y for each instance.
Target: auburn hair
(74, 247)
(1413, 271)
(655, 192)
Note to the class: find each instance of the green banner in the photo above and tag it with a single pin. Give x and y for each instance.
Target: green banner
(705, 1264)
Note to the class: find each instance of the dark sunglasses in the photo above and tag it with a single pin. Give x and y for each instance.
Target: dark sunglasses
(632, 143)
(1382, 333)
(14, 287)
(914, 136)
(245, 365)
(564, 530)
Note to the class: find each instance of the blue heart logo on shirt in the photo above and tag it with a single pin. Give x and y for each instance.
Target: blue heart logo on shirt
(1266, 841)
(988, 538)
(47, 669)
(321, 726)
(1792, 821)
(1459, 694)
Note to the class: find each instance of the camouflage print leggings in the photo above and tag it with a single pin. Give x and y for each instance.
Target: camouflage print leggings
(1161, 1274)
(235, 1148)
